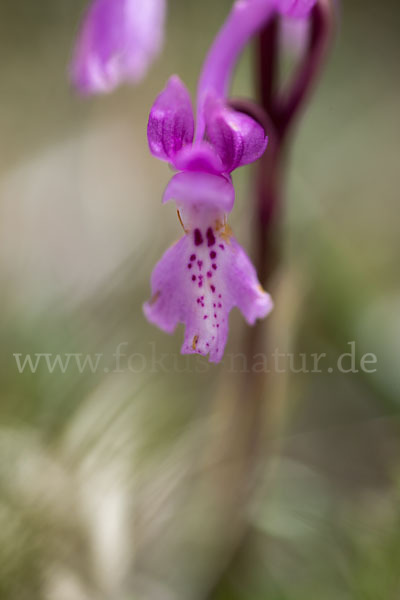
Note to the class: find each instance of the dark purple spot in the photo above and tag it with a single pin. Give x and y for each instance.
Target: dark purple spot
(212, 288)
(193, 257)
(207, 344)
(219, 305)
(214, 305)
(215, 316)
(200, 284)
(213, 254)
(210, 237)
(222, 247)
(198, 238)
(193, 277)
(217, 325)
(214, 267)
(189, 266)
(219, 296)
(209, 274)
(205, 317)
(200, 263)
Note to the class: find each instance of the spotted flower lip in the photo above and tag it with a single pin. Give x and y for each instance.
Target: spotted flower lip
(206, 273)
(117, 42)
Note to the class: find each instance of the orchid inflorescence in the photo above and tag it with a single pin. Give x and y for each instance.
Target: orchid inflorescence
(206, 273)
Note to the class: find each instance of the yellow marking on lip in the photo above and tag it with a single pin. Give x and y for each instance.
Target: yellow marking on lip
(195, 340)
(224, 229)
(219, 225)
(227, 233)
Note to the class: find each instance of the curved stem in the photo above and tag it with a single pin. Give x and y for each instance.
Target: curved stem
(244, 21)
(287, 107)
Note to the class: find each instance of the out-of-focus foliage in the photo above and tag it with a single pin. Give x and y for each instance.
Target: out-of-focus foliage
(120, 485)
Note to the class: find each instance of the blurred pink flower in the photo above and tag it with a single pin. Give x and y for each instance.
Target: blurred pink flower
(117, 42)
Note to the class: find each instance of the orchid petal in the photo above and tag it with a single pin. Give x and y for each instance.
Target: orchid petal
(171, 121)
(237, 137)
(117, 42)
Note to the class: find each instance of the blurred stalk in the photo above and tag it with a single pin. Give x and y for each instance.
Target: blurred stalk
(280, 115)
(251, 414)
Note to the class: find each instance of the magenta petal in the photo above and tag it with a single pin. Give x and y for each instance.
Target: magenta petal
(166, 309)
(171, 121)
(202, 190)
(238, 139)
(197, 282)
(245, 290)
(117, 42)
(200, 157)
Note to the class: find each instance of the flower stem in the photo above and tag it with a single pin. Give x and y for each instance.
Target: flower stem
(254, 408)
(279, 115)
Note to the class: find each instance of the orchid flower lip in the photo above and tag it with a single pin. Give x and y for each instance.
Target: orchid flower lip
(198, 281)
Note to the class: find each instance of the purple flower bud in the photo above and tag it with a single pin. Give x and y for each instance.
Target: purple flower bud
(117, 42)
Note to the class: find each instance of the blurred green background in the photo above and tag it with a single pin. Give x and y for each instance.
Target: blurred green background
(125, 485)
